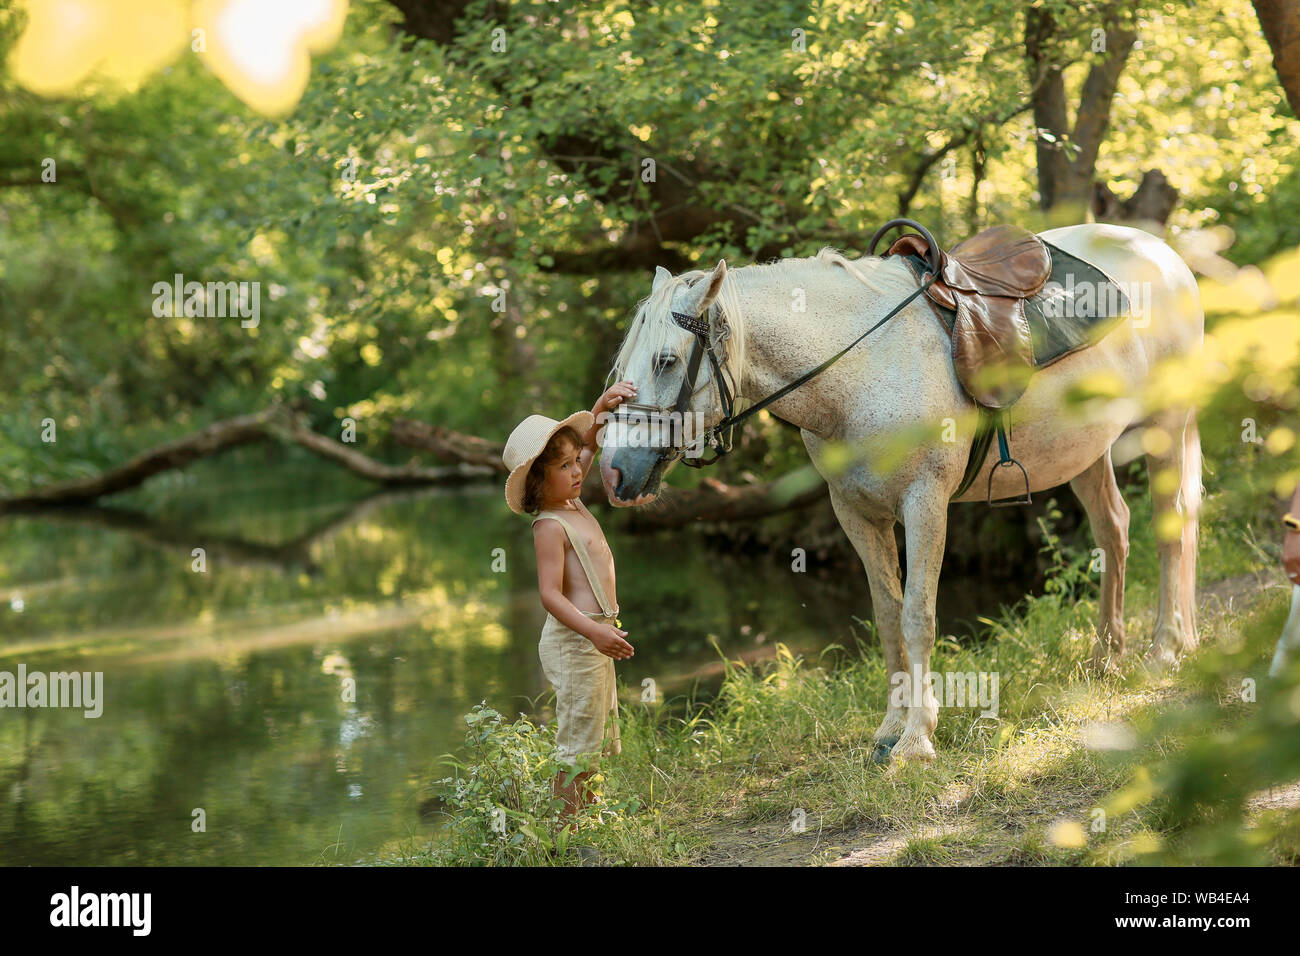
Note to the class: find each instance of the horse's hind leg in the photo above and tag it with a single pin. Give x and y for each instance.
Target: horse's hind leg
(873, 539)
(1174, 469)
(1192, 492)
(1108, 516)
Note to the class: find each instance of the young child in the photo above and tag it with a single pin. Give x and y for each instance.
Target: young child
(575, 576)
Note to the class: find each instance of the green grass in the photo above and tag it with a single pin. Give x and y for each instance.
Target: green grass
(795, 734)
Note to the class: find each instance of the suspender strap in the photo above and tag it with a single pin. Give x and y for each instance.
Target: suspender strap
(576, 540)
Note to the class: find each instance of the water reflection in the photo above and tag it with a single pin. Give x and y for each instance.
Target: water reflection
(296, 695)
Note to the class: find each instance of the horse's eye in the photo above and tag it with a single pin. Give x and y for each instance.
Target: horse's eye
(664, 362)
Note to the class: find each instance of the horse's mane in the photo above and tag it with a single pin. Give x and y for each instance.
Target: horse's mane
(653, 329)
(888, 277)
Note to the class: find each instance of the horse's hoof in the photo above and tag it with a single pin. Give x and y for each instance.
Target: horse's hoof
(917, 749)
(882, 750)
(1160, 661)
(1105, 668)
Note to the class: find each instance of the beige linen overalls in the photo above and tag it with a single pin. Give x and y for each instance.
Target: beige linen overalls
(585, 691)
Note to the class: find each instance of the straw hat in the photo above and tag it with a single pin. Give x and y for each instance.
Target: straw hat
(526, 442)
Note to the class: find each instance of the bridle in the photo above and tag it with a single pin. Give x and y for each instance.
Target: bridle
(719, 436)
(654, 414)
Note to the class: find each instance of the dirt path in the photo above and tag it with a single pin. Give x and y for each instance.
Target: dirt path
(997, 841)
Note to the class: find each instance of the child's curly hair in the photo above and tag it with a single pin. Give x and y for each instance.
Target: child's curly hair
(554, 450)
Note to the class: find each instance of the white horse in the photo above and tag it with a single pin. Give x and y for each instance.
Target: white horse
(901, 377)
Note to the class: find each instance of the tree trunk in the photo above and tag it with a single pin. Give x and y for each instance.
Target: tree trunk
(1281, 22)
(448, 445)
(1067, 156)
(715, 501)
(1148, 208)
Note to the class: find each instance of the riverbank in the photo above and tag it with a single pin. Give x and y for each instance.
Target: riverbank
(777, 770)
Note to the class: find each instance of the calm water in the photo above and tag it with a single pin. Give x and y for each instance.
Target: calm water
(222, 689)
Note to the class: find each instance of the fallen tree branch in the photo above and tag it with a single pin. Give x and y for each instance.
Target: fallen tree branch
(178, 453)
(449, 445)
(715, 501)
(274, 422)
(368, 468)
(471, 458)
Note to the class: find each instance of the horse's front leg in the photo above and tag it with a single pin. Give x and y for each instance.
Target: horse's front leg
(872, 537)
(925, 527)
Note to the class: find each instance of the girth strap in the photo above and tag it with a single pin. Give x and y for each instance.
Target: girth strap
(991, 423)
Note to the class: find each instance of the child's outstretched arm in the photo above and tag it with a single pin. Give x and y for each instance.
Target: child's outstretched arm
(613, 397)
(548, 541)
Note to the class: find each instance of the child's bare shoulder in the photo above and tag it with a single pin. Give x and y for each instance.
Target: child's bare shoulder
(548, 534)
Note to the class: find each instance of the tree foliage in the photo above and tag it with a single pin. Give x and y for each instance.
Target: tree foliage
(457, 228)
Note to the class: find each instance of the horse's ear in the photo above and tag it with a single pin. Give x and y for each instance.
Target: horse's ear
(708, 291)
(662, 275)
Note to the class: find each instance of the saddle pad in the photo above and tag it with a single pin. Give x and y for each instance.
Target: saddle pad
(1074, 308)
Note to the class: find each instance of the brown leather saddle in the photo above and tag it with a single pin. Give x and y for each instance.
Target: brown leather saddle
(985, 281)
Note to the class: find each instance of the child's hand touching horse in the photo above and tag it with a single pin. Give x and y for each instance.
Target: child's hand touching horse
(613, 396)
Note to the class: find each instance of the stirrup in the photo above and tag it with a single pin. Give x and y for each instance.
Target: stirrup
(1005, 460)
(1007, 502)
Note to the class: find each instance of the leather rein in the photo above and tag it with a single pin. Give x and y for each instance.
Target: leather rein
(714, 436)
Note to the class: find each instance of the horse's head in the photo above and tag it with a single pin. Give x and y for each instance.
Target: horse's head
(643, 440)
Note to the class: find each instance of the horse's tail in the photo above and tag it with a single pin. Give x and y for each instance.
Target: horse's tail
(1192, 493)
